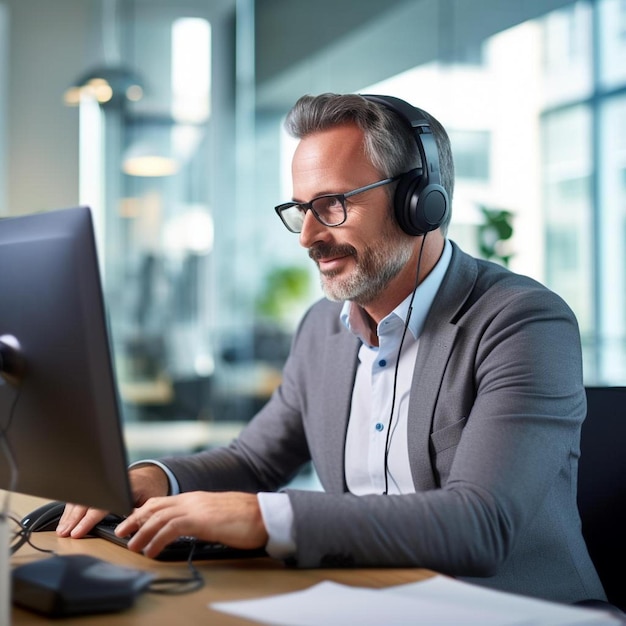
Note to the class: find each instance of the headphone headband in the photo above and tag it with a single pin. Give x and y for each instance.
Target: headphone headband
(421, 202)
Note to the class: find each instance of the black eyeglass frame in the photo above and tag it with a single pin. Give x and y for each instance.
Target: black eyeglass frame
(308, 206)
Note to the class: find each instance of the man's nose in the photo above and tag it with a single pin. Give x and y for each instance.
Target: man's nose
(312, 230)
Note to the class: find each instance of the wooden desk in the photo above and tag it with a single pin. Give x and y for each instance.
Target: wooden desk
(224, 580)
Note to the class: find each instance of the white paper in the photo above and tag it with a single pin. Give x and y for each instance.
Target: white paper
(539, 612)
(332, 604)
(438, 601)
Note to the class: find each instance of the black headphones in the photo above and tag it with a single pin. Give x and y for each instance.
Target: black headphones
(420, 203)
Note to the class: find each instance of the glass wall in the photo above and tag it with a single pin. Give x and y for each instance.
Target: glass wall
(584, 194)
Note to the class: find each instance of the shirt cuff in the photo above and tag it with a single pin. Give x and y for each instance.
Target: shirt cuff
(174, 486)
(278, 519)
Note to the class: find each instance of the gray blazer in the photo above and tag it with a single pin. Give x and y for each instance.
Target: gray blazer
(495, 412)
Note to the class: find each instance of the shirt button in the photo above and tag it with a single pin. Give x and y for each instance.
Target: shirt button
(382, 362)
(379, 426)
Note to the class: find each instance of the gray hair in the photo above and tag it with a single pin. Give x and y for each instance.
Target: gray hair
(389, 142)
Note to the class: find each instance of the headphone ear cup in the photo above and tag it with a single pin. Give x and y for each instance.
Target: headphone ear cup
(432, 207)
(419, 210)
(404, 204)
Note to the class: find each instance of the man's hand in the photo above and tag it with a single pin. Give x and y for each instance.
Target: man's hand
(77, 520)
(231, 518)
(146, 481)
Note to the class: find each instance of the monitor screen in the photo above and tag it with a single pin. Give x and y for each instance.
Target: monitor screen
(59, 408)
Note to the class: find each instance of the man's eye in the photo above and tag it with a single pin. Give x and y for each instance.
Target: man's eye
(328, 203)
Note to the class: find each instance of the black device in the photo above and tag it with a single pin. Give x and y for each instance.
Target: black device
(59, 408)
(421, 203)
(76, 584)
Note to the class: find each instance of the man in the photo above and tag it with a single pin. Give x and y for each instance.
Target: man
(439, 397)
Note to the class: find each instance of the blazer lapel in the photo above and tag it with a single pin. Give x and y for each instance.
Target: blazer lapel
(436, 344)
(340, 363)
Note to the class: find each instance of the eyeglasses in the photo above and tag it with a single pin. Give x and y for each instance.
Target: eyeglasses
(329, 209)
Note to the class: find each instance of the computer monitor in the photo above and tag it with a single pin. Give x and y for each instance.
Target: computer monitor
(59, 407)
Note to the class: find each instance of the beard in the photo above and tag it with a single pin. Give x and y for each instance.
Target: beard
(376, 265)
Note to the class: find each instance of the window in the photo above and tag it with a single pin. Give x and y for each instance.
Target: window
(472, 152)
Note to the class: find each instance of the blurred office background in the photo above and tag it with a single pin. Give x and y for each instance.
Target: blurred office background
(165, 117)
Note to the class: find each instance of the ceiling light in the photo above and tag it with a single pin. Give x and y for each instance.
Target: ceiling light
(106, 85)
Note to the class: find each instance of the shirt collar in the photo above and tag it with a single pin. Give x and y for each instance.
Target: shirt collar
(353, 318)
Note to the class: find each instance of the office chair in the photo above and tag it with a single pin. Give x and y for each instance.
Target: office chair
(602, 487)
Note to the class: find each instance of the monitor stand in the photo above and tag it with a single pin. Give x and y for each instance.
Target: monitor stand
(5, 571)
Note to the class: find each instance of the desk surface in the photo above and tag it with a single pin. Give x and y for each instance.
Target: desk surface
(224, 580)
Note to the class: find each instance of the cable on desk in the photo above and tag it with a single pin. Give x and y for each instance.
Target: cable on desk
(23, 536)
(179, 585)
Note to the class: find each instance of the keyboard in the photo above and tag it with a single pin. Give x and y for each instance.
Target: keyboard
(180, 549)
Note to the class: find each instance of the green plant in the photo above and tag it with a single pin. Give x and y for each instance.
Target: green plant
(283, 288)
(494, 234)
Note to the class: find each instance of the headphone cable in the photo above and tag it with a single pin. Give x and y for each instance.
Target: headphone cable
(397, 366)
